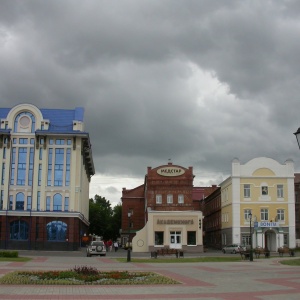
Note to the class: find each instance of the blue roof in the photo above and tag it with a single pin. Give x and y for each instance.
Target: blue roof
(4, 112)
(61, 120)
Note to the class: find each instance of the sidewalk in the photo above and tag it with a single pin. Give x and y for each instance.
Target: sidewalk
(261, 279)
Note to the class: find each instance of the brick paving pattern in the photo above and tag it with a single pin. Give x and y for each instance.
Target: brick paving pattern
(263, 279)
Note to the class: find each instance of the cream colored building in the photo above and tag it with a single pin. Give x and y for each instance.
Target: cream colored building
(265, 188)
(45, 169)
(176, 230)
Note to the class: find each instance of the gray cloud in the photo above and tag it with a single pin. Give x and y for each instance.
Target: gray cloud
(199, 82)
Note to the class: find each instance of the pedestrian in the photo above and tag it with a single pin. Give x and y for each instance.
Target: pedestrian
(110, 244)
(116, 245)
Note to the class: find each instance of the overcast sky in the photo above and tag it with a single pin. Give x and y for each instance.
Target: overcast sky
(198, 82)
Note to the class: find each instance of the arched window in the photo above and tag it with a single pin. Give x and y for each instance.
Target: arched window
(57, 202)
(24, 122)
(56, 231)
(20, 201)
(19, 230)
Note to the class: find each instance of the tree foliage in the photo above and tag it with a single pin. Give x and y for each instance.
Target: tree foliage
(104, 220)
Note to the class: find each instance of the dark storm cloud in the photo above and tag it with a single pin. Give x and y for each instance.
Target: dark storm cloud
(197, 82)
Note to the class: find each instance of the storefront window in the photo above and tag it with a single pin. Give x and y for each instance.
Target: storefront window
(159, 238)
(191, 237)
(19, 230)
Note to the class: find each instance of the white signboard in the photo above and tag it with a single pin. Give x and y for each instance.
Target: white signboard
(268, 224)
(170, 171)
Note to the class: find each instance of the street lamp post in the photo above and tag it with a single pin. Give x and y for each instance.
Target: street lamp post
(297, 134)
(128, 249)
(251, 248)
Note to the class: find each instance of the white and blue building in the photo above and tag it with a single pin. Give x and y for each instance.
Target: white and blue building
(46, 165)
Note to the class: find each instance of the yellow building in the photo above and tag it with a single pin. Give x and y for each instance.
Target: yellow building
(264, 188)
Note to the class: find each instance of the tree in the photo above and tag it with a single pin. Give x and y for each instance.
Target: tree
(104, 221)
(116, 221)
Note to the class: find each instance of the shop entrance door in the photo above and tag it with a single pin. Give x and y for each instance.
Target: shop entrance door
(175, 239)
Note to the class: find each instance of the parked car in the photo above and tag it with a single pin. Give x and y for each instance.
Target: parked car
(96, 248)
(234, 248)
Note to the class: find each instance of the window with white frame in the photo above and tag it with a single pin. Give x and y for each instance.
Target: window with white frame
(279, 190)
(280, 214)
(246, 190)
(246, 214)
(180, 198)
(264, 214)
(158, 199)
(246, 240)
(169, 198)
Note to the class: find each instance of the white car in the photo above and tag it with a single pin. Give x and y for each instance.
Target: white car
(234, 248)
(96, 248)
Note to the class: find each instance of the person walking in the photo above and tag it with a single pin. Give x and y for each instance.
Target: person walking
(116, 245)
(110, 244)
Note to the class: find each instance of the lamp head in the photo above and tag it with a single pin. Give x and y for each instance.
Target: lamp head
(250, 215)
(297, 134)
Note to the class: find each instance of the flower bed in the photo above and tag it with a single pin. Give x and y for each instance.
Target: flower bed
(84, 276)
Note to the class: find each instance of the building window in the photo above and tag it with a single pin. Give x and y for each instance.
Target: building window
(264, 190)
(24, 122)
(3, 173)
(246, 190)
(180, 199)
(19, 230)
(158, 199)
(59, 142)
(11, 202)
(191, 238)
(38, 205)
(159, 238)
(264, 214)
(56, 231)
(246, 214)
(49, 179)
(285, 239)
(1, 199)
(29, 202)
(48, 203)
(40, 175)
(246, 240)
(169, 198)
(21, 171)
(280, 191)
(280, 214)
(57, 202)
(30, 170)
(68, 167)
(66, 204)
(59, 167)
(20, 201)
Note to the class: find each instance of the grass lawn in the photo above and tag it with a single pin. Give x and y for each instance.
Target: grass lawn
(182, 260)
(291, 262)
(16, 259)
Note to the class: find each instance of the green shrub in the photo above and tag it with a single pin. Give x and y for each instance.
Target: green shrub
(9, 254)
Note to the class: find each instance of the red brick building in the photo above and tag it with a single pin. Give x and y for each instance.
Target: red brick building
(164, 211)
